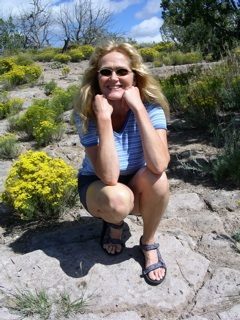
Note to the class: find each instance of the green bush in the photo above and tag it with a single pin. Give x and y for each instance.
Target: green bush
(164, 46)
(23, 59)
(9, 107)
(49, 87)
(148, 54)
(48, 131)
(176, 88)
(39, 187)
(8, 146)
(226, 168)
(39, 111)
(6, 64)
(65, 71)
(203, 100)
(87, 50)
(76, 55)
(61, 57)
(21, 74)
(62, 100)
(46, 55)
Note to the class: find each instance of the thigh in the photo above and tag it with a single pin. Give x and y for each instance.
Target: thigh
(149, 184)
(103, 198)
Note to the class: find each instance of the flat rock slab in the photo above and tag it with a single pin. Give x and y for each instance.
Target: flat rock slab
(219, 291)
(183, 202)
(114, 283)
(233, 313)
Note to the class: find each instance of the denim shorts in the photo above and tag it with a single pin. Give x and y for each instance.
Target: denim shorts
(84, 182)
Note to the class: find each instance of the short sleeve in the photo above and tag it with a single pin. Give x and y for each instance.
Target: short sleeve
(90, 137)
(157, 117)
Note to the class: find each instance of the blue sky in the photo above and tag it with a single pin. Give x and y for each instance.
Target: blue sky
(138, 19)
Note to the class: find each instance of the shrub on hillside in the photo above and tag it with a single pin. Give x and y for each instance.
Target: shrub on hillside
(37, 192)
(9, 107)
(149, 54)
(76, 55)
(164, 46)
(6, 64)
(203, 100)
(62, 100)
(46, 55)
(48, 131)
(49, 87)
(65, 71)
(226, 168)
(23, 59)
(8, 146)
(39, 111)
(21, 74)
(62, 57)
(87, 50)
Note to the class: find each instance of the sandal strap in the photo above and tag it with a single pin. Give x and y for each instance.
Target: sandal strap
(148, 247)
(115, 226)
(159, 264)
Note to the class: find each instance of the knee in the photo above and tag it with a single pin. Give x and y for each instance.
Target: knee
(154, 183)
(120, 200)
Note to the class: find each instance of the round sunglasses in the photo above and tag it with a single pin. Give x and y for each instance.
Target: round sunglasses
(120, 72)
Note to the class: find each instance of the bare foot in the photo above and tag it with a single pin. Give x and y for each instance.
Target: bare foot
(151, 257)
(110, 247)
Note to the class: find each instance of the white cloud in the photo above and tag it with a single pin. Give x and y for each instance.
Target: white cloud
(118, 6)
(147, 30)
(151, 8)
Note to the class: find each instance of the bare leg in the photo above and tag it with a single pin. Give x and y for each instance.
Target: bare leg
(151, 193)
(112, 204)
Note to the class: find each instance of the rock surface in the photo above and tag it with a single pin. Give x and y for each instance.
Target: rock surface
(203, 260)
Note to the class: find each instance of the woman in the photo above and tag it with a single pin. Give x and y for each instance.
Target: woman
(121, 123)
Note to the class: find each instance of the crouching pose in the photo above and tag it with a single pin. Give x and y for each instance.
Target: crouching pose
(120, 117)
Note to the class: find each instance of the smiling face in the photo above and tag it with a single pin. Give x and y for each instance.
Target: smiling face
(114, 86)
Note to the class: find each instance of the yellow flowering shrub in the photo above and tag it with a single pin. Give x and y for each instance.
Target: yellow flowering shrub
(149, 54)
(62, 57)
(40, 187)
(21, 74)
(6, 64)
(48, 131)
(76, 55)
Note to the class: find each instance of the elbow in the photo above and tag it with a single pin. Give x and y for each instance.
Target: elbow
(162, 166)
(110, 180)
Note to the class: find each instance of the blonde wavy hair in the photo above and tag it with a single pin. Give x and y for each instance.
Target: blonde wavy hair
(149, 88)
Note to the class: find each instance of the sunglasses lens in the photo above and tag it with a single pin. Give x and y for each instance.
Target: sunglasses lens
(119, 72)
(105, 72)
(122, 72)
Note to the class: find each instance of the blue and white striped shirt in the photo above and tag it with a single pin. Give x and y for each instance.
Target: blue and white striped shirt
(127, 141)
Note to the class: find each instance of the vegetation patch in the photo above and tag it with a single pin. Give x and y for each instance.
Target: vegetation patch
(39, 187)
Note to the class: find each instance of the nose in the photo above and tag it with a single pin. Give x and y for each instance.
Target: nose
(114, 75)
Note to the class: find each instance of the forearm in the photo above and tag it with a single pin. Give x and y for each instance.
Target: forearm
(154, 145)
(107, 164)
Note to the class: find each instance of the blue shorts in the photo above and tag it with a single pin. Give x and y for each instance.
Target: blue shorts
(84, 182)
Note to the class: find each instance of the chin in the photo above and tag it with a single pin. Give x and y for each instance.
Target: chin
(114, 97)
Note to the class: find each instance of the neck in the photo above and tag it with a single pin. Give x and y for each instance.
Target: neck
(119, 107)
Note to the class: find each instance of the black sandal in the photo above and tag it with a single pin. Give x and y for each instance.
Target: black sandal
(107, 239)
(152, 267)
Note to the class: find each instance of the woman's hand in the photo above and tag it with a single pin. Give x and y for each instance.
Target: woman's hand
(133, 99)
(101, 107)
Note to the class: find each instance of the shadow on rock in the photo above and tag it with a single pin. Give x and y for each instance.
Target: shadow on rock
(75, 245)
